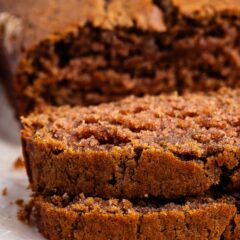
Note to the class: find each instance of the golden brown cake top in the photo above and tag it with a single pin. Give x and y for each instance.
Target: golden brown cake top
(206, 6)
(43, 17)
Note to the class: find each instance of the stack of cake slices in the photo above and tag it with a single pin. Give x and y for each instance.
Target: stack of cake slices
(154, 166)
(157, 167)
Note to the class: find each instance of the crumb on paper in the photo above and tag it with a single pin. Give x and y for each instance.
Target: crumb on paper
(19, 163)
(5, 192)
(20, 202)
(24, 212)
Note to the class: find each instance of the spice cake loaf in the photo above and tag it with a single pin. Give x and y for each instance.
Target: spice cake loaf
(161, 146)
(95, 218)
(105, 50)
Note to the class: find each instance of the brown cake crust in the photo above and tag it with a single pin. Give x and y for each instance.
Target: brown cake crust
(40, 24)
(165, 146)
(94, 218)
(143, 47)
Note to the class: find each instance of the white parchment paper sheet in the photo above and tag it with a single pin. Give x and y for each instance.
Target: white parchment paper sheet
(14, 180)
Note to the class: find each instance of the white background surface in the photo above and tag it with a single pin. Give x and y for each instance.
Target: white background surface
(14, 180)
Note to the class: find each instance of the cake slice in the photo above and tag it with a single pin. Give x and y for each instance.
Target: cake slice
(94, 218)
(162, 146)
(83, 52)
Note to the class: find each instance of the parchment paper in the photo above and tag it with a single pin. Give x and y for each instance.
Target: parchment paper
(14, 180)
